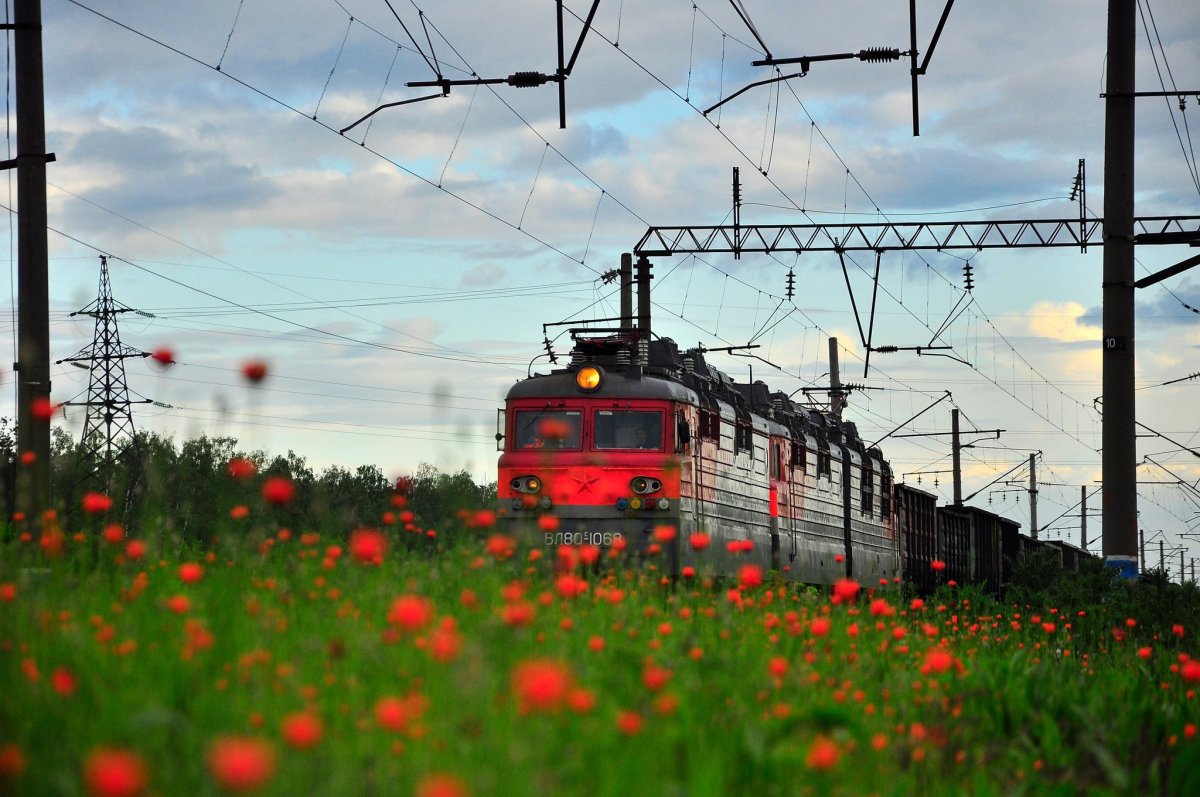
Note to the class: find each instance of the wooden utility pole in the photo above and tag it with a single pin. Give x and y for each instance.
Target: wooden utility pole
(1119, 434)
(33, 303)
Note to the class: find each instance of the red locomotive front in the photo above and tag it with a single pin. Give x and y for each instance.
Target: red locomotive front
(595, 452)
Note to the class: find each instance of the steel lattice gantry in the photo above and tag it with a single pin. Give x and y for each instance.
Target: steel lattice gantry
(892, 236)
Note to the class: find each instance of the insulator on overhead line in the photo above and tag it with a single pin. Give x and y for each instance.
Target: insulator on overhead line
(877, 55)
(525, 80)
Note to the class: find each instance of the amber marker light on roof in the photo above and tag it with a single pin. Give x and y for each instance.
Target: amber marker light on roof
(588, 378)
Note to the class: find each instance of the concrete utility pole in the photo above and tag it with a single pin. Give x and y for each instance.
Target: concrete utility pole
(33, 303)
(956, 456)
(1033, 526)
(1119, 434)
(837, 398)
(1083, 541)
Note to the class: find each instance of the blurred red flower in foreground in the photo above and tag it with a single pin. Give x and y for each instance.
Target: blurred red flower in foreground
(823, 753)
(95, 503)
(410, 612)
(302, 730)
(163, 357)
(541, 685)
(254, 371)
(278, 490)
(191, 572)
(750, 576)
(395, 714)
(845, 590)
(241, 763)
(12, 762)
(368, 546)
(42, 408)
(441, 784)
(241, 468)
(114, 773)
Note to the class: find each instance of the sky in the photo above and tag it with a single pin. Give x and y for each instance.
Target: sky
(396, 277)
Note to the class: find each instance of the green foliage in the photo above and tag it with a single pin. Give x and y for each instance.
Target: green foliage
(180, 495)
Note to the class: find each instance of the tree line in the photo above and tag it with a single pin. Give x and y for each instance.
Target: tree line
(186, 490)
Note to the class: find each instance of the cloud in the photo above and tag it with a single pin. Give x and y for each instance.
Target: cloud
(1061, 322)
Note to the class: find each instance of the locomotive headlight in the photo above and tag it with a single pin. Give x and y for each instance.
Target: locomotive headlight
(526, 484)
(643, 485)
(588, 378)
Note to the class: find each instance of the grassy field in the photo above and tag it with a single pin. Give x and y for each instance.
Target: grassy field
(398, 663)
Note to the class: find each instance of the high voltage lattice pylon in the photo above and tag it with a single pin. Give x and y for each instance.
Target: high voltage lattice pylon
(108, 430)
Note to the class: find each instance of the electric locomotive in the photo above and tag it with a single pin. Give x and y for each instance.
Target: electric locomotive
(637, 442)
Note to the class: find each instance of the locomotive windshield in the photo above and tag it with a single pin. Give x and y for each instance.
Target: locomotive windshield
(636, 429)
(547, 429)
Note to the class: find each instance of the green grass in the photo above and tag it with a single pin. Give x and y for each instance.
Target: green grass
(1019, 710)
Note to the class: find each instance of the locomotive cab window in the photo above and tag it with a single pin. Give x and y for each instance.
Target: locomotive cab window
(556, 429)
(628, 429)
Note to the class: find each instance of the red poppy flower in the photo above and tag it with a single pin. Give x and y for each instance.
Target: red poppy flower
(28, 457)
(52, 542)
(96, 503)
(301, 730)
(937, 661)
(664, 533)
(254, 371)
(700, 540)
(114, 773)
(8, 592)
(1190, 670)
(63, 681)
(179, 604)
(446, 642)
(410, 612)
(396, 714)
(541, 685)
(823, 753)
(500, 546)
(750, 576)
(629, 722)
(42, 408)
(113, 533)
(845, 590)
(368, 546)
(937, 565)
(241, 468)
(278, 490)
(135, 550)
(191, 572)
(239, 763)
(12, 762)
(441, 784)
(820, 626)
(163, 357)
(553, 429)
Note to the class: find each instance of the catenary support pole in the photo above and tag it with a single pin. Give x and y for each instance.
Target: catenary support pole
(33, 288)
(1119, 435)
